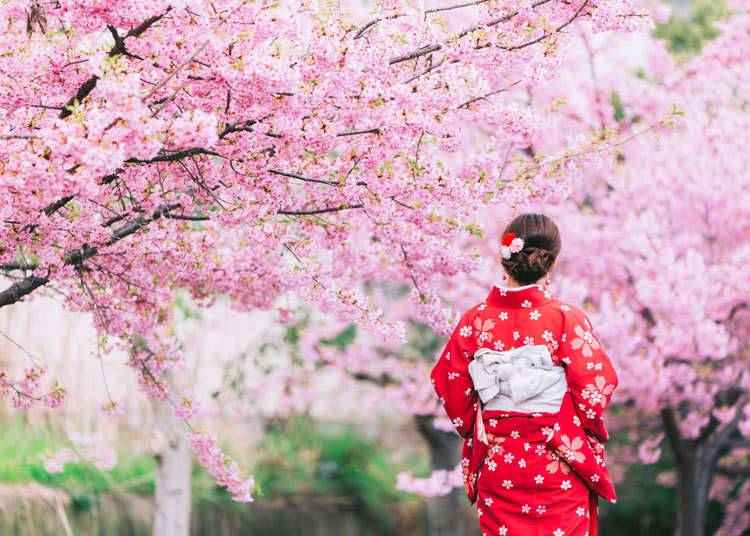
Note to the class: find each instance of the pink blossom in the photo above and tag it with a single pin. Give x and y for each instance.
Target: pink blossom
(56, 462)
(516, 245)
(440, 482)
(220, 466)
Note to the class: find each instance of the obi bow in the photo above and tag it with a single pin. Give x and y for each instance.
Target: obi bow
(518, 375)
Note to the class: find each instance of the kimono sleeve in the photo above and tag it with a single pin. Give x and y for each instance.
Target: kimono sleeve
(451, 380)
(588, 370)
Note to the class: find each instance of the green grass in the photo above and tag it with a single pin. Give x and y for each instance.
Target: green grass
(319, 459)
(21, 446)
(303, 458)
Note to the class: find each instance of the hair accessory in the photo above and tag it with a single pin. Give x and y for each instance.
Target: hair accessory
(511, 244)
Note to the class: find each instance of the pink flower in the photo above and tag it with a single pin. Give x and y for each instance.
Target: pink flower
(598, 392)
(56, 463)
(220, 466)
(113, 408)
(570, 449)
(516, 245)
(585, 340)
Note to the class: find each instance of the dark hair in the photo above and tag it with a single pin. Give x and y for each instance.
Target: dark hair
(541, 246)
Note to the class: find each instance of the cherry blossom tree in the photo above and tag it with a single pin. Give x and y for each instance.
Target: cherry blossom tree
(252, 149)
(670, 293)
(655, 244)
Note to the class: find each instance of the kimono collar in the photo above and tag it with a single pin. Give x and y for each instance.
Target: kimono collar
(532, 295)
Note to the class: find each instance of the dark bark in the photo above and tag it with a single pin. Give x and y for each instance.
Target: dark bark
(694, 476)
(696, 460)
(445, 516)
(119, 48)
(77, 257)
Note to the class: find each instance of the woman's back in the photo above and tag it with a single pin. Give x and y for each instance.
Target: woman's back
(525, 380)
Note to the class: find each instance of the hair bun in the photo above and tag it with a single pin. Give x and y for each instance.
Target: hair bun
(540, 260)
(541, 246)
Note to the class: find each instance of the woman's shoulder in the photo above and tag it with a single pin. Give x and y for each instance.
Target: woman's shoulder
(473, 312)
(571, 314)
(465, 318)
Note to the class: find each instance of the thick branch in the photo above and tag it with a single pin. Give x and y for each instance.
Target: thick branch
(247, 126)
(721, 440)
(673, 434)
(318, 210)
(18, 266)
(172, 157)
(118, 48)
(19, 289)
(29, 284)
(83, 91)
(734, 472)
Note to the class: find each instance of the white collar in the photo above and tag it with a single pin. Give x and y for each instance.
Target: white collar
(505, 287)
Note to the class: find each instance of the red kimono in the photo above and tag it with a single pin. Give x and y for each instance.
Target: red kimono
(531, 473)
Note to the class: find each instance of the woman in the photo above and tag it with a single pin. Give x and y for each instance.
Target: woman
(525, 380)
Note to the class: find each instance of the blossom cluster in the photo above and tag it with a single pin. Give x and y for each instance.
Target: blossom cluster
(440, 482)
(220, 466)
(91, 449)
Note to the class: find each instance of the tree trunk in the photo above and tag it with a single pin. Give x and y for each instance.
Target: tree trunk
(445, 516)
(173, 468)
(694, 475)
(694, 461)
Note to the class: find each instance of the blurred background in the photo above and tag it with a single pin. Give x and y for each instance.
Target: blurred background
(342, 436)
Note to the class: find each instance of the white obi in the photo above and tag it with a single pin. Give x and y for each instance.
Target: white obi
(522, 379)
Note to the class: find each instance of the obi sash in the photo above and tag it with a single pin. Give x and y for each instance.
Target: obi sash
(521, 379)
(525, 380)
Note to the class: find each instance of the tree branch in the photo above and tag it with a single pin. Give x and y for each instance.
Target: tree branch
(547, 34)
(18, 266)
(355, 132)
(318, 210)
(437, 46)
(119, 48)
(29, 284)
(722, 437)
(734, 472)
(673, 434)
(172, 157)
(300, 177)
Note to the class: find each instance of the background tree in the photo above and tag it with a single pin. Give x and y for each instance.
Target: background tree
(668, 215)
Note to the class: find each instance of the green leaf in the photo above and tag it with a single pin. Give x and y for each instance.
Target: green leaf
(617, 105)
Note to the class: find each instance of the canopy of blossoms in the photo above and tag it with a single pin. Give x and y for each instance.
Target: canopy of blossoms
(255, 148)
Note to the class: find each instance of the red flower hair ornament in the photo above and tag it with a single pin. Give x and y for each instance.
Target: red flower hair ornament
(511, 244)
